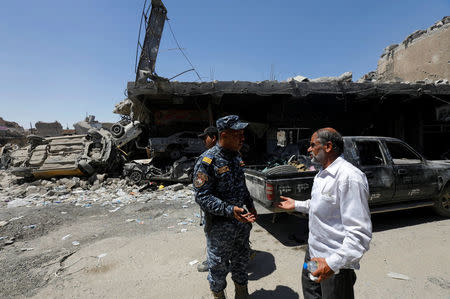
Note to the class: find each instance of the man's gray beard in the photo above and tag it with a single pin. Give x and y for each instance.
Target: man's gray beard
(318, 158)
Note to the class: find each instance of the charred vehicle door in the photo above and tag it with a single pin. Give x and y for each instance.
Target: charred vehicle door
(414, 179)
(379, 173)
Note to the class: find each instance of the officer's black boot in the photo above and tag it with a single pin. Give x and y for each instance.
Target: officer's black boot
(218, 295)
(241, 291)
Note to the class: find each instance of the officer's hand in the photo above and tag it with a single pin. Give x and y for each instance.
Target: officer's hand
(242, 216)
(286, 203)
(323, 270)
(252, 210)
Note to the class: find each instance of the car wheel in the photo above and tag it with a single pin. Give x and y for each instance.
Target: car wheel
(85, 167)
(135, 176)
(117, 130)
(442, 203)
(175, 154)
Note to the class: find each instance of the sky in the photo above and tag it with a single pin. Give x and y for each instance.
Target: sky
(62, 60)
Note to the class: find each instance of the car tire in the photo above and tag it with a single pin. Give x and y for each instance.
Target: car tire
(85, 167)
(442, 203)
(282, 169)
(117, 130)
(175, 154)
(136, 176)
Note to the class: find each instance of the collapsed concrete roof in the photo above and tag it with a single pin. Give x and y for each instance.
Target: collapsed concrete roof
(165, 90)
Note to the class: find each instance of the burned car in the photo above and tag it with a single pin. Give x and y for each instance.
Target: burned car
(141, 171)
(75, 155)
(177, 145)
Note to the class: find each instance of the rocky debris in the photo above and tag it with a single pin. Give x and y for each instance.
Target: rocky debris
(176, 187)
(97, 190)
(83, 127)
(438, 24)
(369, 77)
(413, 36)
(345, 77)
(124, 107)
(298, 78)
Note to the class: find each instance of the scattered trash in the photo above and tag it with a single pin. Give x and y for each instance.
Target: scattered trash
(197, 215)
(75, 243)
(114, 210)
(15, 218)
(32, 226)
(182, 223)
(65, 237)
(88, 205)
(2, 238)
(63, 213)
(192, 263)
(398, 276)
(9, 242)
(185, 206)
(26, 249)
(176, 187)
(169, 227)
(160, 187)
(101, 255)
(3, 223)
(183, 230)
(130, 220)
(165, 215)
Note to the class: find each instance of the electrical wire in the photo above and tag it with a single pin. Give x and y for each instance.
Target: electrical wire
(182, 52)
(139, 38)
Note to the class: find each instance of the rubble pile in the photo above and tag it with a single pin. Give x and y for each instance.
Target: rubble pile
(95, 190)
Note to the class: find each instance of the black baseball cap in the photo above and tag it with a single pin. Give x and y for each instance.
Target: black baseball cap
(209, 131)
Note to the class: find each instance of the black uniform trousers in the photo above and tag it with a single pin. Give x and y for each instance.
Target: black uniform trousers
(338, 286)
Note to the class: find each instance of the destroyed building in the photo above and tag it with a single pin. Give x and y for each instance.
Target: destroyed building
(82, 127)
(11, 132)
(44, 129)
(413, 112)
(424, 56)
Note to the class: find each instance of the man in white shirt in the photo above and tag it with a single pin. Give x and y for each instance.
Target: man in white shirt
(340, 229)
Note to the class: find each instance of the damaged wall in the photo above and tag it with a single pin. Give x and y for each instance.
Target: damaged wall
(48, 129)
(11, 132)
(425, 54)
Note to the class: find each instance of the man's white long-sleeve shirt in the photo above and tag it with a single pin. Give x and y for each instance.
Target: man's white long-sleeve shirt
(340, 228)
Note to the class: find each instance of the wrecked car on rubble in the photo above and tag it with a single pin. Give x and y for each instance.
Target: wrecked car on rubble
(145, 170)
(75, 155)
(178, 144)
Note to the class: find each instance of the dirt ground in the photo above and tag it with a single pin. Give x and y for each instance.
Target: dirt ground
(144, 250)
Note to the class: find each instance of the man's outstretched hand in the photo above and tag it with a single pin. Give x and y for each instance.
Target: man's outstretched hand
(286, 203)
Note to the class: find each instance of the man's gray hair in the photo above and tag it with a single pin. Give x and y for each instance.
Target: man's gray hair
(330, 135)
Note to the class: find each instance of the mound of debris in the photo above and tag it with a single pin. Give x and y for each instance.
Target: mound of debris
(95, 190)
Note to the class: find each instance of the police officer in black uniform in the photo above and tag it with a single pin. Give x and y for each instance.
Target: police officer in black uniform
(221, 192)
